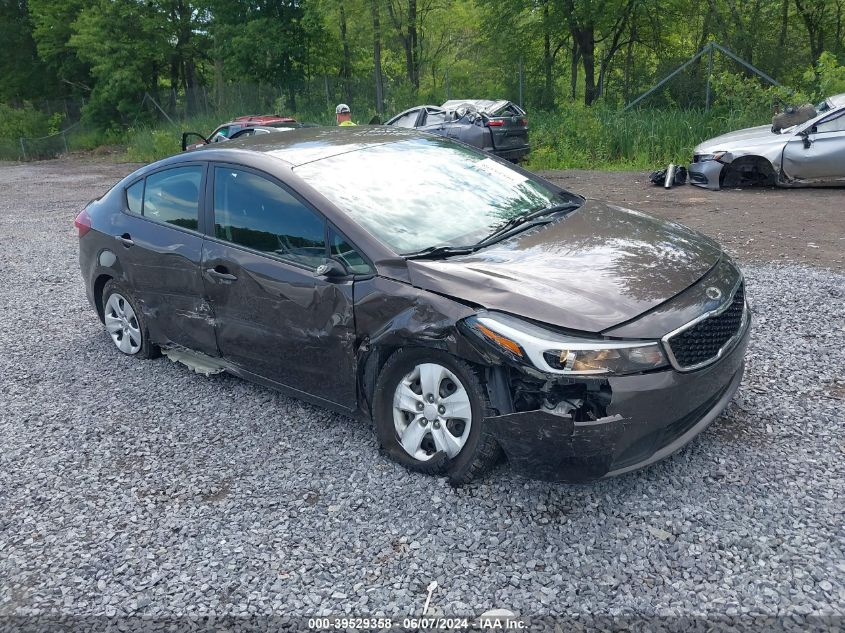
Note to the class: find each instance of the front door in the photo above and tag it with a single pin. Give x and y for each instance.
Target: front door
(274, 316)
(821, 158)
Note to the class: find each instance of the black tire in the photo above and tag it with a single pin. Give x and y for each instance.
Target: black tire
(148, 349)
(480, 453)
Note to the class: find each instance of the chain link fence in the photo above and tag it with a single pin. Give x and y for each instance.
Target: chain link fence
(311, 100)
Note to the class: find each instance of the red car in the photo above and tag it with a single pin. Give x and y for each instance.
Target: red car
(225, 131)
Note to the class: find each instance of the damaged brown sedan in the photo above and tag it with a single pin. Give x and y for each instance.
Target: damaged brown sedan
(464, 305)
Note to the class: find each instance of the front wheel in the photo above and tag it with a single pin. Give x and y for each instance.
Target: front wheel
(428, 413)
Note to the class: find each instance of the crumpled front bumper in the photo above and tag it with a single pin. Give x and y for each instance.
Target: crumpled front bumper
(650, 417)
(705, 174)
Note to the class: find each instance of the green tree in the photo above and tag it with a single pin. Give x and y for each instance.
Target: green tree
(24, 75)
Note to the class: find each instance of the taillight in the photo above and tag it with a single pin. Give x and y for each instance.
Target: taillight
(82, 222)
(495, 123)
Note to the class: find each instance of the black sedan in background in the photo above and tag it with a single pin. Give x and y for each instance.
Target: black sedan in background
(498, 127)
(462, 304)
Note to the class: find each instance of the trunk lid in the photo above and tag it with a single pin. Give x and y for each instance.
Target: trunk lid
(508, 127)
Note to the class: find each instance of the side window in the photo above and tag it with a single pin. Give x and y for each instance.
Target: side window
(220, 135)
(135, 197)
(345, 252)
(172, 196)
(407, 120)
(836, 124)
(434, 117)
(252, 211)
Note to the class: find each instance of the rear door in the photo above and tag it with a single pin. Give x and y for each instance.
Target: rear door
(508, 127)
(275, 318)
(823, 161)
(159, 247)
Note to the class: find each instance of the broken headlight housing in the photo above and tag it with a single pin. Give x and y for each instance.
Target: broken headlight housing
(713, 156)
(557, 353)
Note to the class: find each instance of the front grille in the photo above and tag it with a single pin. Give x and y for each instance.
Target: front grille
(703, 341)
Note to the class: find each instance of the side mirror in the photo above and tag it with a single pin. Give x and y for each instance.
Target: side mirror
(330, 269)
(805, 137)
(376, 120)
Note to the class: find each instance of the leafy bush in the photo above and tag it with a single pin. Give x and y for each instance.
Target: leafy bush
(25, 121)
(734, 92)
(828, 76)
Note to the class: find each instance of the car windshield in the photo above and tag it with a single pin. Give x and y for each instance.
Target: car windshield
(422, 193)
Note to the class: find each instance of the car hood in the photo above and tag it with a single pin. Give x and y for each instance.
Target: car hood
(733, 141)
(595, 268)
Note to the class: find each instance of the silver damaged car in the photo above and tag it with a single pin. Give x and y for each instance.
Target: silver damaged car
(811, 153)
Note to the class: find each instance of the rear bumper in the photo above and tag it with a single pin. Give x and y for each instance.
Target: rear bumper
(705, 174)
(650, 417)
(515, 154)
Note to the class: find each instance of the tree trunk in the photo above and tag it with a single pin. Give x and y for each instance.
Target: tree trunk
(629, 65)
(815, 31)
(573, 69)
(346, 62)
(548, 61)
(784, 20)
(587, 49)
(377, 56)
(191, 87)
(413, 52)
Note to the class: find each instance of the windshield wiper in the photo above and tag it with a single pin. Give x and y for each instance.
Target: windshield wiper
(521, 221)
(525, 221)
(440, 251)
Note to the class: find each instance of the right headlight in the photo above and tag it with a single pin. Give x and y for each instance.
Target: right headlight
(561, 354)
(713, 156)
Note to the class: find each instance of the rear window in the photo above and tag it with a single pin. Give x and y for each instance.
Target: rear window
(508, 110)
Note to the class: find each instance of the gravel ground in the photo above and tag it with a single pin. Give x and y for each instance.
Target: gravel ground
(140, 488)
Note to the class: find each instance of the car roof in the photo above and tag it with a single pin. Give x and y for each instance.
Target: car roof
(261, 119)
(482, 105)
(305, 145)
(836, 100)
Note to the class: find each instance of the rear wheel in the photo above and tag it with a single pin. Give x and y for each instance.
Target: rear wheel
(125, 323)
(429, 412)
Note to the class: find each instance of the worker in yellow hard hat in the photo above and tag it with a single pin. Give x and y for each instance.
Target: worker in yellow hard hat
(344, 115)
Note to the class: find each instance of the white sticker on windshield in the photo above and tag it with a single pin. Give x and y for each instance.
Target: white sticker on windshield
(500, 172)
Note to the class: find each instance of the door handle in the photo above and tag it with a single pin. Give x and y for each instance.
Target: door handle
(125, 239)
(220, 273)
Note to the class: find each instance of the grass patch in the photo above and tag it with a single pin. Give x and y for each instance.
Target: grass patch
(574, 138)
(598, 138)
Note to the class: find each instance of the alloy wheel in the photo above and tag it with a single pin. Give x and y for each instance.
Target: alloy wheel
(122, 324)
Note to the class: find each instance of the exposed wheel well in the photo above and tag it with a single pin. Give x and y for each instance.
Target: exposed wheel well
(100, 283)
(748, 171)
